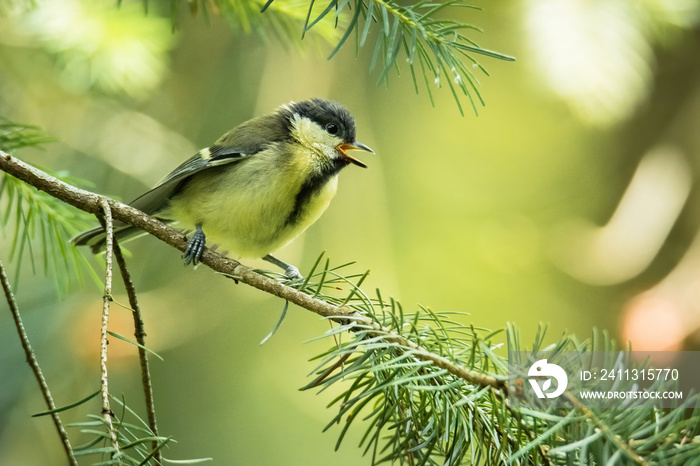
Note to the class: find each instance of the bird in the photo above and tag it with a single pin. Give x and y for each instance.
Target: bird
(257, 188)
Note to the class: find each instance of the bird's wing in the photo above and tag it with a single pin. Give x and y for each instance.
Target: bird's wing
(241, 142)
(153, 201)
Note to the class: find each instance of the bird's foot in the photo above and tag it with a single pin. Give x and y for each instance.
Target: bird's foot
(290, 271)
(195, 247)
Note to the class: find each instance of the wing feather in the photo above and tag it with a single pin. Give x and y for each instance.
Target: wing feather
(242, 142)
(153, 201)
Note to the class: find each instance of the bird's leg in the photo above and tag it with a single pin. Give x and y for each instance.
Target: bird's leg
(195, 247)
(289, 270)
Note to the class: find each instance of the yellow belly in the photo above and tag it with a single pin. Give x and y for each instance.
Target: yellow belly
(245, 208)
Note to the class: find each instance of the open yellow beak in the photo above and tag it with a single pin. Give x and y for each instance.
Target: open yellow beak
(343, 148)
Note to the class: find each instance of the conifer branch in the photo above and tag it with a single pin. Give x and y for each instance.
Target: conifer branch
(605, 429)
(367, 328)
(430, 392)
(41, 218)
(434, 45)
(91, 202)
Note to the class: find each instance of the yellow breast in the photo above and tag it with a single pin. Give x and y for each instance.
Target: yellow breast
(246, 207)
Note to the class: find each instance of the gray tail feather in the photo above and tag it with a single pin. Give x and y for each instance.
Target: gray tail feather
(97, 239)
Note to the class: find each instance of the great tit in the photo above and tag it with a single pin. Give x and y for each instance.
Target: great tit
(257, 188)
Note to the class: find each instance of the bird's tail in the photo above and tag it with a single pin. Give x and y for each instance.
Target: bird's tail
(96, 238)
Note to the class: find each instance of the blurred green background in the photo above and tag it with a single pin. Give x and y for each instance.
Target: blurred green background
(569, 200)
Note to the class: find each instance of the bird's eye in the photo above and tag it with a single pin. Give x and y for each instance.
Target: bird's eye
(332, 128)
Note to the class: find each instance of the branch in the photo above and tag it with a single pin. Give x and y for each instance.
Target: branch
(91, 202)
(140, 334)
(34, 364)
(403, 382)
(106, 300)
(607, 431)
(438, 45)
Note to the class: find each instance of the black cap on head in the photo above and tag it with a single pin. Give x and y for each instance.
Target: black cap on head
(330, 115)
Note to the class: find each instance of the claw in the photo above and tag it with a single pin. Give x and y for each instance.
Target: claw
(290, 271)
(195, 247)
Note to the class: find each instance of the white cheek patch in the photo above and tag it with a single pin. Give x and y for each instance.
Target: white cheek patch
(312, 135)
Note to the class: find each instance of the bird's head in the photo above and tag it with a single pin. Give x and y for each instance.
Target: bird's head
(327, 128)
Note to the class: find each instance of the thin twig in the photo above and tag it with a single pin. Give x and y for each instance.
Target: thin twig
(140, 334)
(34, 364)
(106, 300)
